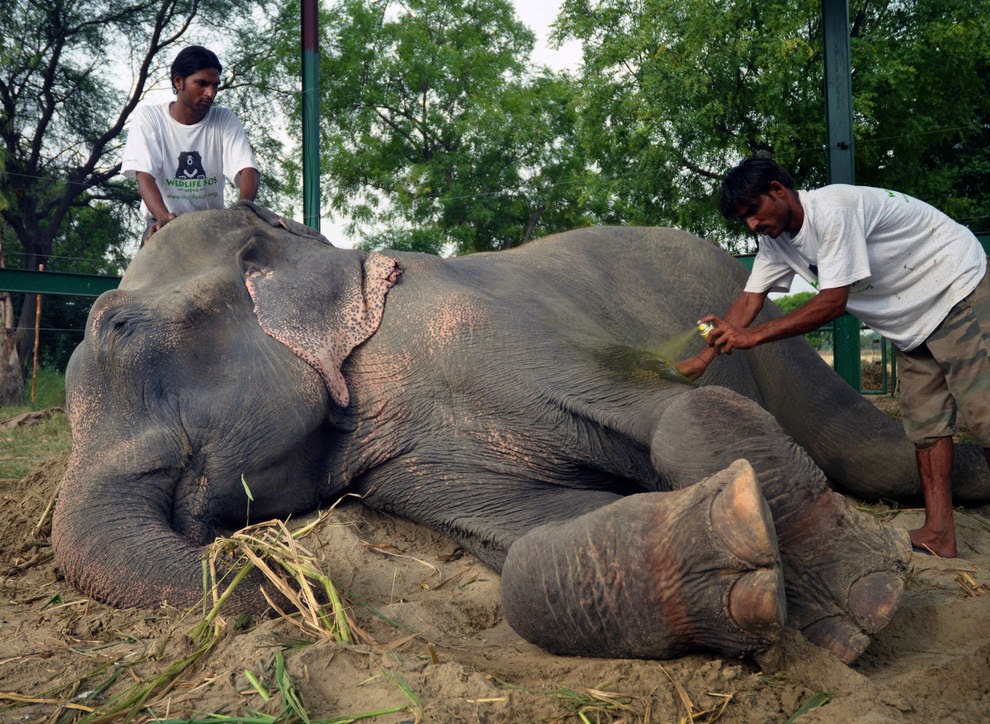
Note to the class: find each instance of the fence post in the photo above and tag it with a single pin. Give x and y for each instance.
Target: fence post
(845, 346)
(37, 340)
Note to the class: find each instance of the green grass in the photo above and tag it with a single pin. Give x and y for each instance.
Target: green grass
(24, 447)
(49, 391)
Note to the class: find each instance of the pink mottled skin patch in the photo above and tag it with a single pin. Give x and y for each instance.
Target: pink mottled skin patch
(512, 446)
(453, 315)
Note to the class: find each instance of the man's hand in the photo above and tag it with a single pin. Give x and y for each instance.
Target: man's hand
(159, 223)
(155, 227)
(737, 334)
(152, 197)
(725, 336)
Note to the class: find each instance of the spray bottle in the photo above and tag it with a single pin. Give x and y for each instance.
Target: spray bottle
(704, 328)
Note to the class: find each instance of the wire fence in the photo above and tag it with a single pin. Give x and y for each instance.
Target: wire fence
(878, 365)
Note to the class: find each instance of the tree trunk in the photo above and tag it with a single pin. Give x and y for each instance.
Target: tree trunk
(11, 379)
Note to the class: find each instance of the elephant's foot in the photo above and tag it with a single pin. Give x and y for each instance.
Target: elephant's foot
(654, 575)
(845, 574)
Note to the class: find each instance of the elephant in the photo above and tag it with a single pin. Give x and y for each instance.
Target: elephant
(523, 403)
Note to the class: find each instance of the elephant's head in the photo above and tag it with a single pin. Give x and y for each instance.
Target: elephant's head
(219, 356)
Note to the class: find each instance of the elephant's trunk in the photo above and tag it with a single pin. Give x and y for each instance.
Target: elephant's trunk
(113, 542)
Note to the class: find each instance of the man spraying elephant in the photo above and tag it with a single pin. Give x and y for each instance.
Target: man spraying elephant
(907, 270)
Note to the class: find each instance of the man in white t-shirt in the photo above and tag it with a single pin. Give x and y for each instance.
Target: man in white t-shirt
(901, 266)
(182, 152)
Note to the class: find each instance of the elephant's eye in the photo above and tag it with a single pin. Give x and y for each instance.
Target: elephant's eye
(117, 317)
(121, 331)
(125, 321)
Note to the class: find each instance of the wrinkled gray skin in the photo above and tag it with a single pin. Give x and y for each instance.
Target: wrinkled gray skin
(515, 402)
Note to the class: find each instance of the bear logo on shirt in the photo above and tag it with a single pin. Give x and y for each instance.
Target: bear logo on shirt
(190, 166)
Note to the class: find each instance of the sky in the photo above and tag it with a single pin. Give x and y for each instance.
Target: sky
(538, 15)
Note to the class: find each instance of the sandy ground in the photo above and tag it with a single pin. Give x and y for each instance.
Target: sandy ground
(442, 651)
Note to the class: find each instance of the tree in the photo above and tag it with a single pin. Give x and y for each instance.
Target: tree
(677, 91)
(433, 129)
(921, 91)
(11, 387)
(62, 116)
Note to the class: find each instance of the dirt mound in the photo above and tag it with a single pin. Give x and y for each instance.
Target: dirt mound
(431, 644)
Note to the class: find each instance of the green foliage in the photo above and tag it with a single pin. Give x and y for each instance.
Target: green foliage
(434, 129)
(439, 134)
(23, 447)
(792, 301)
(676, 91)
(49, 391)
(426, 240)
(921, 91)
(819, 699)
(94, 241)
(62, 109)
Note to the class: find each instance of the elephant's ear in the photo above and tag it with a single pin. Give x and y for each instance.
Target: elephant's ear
(278, 221)
(322, 311)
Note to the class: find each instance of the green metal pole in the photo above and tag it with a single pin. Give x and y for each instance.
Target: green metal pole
(311, 113)
(838, 91)
(841, 170)
(848, 364)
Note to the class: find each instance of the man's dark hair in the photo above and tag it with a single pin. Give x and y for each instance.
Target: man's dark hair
(748, 181)
(191, 59)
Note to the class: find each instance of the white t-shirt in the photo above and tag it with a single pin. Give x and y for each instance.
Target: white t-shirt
(189, 162)
(905, 262)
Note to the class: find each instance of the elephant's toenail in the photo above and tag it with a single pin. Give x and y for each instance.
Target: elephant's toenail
(838, 635)
(756, 603)
(741, 518)
(874, 598)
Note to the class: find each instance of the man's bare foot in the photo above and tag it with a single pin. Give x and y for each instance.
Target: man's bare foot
(938, 534)
(939, 543)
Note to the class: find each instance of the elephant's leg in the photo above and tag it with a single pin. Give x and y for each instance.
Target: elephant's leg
(844, 571)
(654, 575)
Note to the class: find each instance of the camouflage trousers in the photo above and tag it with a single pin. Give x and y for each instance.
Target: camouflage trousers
(949, 374)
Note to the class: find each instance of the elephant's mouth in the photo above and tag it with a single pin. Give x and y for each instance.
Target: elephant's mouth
(223, 493)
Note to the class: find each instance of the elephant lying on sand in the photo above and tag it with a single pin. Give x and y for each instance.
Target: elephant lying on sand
(510, 401)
